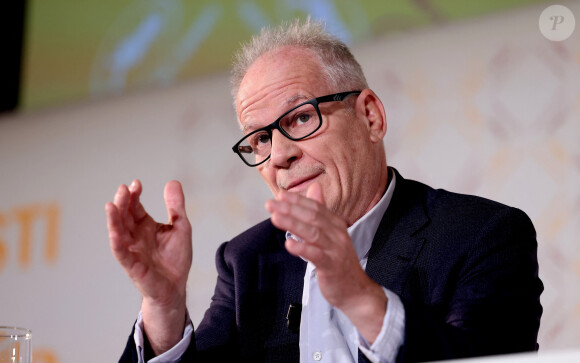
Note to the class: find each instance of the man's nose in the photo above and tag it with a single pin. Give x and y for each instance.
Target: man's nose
(284, 151)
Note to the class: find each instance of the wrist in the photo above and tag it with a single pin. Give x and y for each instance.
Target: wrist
(367, 311)
(164, 322)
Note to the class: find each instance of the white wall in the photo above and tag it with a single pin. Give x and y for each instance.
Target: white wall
(486, 106)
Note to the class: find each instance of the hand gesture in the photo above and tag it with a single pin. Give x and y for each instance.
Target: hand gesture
(156, 256)
(327, 244)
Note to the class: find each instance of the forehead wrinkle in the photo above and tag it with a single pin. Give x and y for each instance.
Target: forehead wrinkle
(274, 90)
(246, 105)
(274, 87)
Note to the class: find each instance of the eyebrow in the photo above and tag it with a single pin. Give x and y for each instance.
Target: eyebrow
(246, 127)
(290, 102)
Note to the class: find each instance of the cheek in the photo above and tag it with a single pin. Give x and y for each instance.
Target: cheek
(269, 176)
(347, 164)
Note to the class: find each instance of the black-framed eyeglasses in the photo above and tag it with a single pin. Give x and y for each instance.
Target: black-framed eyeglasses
(296, 124)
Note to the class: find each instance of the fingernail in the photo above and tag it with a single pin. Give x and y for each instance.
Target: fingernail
(293, 236)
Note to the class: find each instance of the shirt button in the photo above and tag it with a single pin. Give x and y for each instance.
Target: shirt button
(317, 356)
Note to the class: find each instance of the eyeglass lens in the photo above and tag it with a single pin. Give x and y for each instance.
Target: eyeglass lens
(296, 124)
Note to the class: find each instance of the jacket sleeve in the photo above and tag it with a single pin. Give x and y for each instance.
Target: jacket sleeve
(216, 336)
(130, 353)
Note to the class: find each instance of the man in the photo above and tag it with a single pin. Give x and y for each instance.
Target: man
(385, 269)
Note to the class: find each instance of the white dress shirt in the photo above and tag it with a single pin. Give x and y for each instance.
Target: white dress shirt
(326, 334)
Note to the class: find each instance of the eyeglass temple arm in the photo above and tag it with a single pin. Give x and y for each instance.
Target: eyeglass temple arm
(337, 96)
(244, 149)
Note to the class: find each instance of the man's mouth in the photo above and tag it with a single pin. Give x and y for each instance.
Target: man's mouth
(301, 184)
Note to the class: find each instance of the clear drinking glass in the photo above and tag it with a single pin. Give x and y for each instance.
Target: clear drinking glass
(15, 345)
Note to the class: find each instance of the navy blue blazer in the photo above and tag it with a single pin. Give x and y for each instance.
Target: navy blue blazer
(465, 268)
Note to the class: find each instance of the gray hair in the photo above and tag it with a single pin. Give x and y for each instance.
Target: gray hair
(340, 69)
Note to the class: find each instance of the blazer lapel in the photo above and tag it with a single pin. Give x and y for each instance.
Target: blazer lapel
(396, 245)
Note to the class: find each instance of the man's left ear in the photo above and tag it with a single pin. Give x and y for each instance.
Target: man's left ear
(369, 106)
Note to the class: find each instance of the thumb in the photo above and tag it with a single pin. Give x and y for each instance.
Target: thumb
(174, 202)
(314, 192)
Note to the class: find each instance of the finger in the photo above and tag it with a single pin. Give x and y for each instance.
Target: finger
(313, 196)
(305, 210)
(307, 230)
(307, 251)
(314, 192)
(136, 207)
(296, 198)
(122, 200)
(175, 203)
(299, 220)
(117, 234)
(306, 214)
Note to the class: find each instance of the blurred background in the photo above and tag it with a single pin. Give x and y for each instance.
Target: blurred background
(481, 98)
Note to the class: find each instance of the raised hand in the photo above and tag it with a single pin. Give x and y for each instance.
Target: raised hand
(342, 281)
(157, 257)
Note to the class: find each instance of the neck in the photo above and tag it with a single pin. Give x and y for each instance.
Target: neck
(380, 186)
